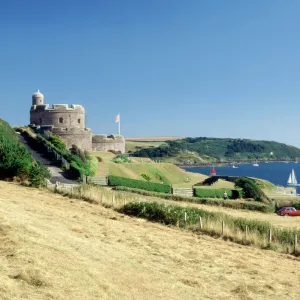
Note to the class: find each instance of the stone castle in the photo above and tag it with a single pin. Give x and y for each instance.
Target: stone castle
(68, 122)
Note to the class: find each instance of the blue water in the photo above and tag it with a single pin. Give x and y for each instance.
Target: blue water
(277, 172)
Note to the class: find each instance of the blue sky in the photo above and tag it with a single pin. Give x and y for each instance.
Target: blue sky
(170, 67)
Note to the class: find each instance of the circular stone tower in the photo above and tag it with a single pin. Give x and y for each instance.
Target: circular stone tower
(37, 98)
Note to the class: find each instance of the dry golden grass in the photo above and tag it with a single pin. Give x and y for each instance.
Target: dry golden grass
(58, 248)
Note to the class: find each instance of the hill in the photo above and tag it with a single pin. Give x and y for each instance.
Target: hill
(53, 247)
(158, 172)
(202, 150)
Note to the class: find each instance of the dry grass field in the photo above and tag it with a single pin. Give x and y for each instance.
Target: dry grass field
(58, 248)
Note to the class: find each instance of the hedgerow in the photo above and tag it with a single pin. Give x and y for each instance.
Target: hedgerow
(140, 184)
(235, 204)
(217, 193)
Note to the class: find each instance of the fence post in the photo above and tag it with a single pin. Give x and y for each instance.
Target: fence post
(270, 235)
(201, 224)
(185, 218)
(295, 242)
(223, 227)
(246, 232)
(113, 199)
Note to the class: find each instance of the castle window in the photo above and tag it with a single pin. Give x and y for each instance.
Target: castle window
(79, 121)
(61, 120)
(41, 121)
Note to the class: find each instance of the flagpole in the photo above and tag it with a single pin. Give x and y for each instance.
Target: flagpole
(119, 124)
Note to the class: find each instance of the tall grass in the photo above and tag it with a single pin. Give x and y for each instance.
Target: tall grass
(239, 230)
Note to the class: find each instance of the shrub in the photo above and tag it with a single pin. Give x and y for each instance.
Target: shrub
(217, 193)
(15, 159)
(121, 158)
(144, 185)
(58, 142)
(93, 164)
(250, 188)
(38, 174)
(235, 204)
(146, 177)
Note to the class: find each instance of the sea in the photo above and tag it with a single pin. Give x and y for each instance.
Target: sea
(275, 172)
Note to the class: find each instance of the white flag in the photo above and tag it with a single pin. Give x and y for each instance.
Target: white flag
(118, 118)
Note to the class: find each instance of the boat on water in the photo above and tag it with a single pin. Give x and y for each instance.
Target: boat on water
(255, 165)
(234, 167)
(292, 181)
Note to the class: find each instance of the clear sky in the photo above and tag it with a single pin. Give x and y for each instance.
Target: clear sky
(171, 67)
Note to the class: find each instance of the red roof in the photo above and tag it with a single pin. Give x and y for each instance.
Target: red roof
(213, 171)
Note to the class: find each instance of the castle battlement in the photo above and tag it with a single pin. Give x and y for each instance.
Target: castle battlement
(58, 107)
(68, 122)
(104, 138)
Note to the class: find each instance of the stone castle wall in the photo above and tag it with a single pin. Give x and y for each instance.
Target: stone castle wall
(68, 122)
(59, 115)
(103, 142)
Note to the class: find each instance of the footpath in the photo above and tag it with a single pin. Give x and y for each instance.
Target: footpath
(56, 173)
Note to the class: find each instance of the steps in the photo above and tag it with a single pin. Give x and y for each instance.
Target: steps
(98, 180)
(187, 192)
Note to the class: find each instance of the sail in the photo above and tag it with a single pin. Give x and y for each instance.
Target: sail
(294, 180)
(290, 179)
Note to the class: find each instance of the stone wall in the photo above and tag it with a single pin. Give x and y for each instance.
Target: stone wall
(103, 142)
(59, 115)
(79, 137)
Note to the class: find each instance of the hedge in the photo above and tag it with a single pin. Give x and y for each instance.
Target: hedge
(217, 193)
(143, 185)
(234, 204)
(175, 215)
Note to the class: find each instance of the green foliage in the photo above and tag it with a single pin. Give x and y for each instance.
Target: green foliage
(250, 188)
(174, 215)
(146, 177)
(15, 159)
(217, 193)
(140, 184)
(38, 174)
(220, 149)
(80, 163)
(121, 158)
(235, 204)
(58, 142)
(93, 164)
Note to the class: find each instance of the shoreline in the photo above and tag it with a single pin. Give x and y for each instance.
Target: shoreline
(230, 163)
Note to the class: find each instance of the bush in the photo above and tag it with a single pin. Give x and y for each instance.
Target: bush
(58, 142)
(38, 174)
(250, 188)
(146, 177)
(15, 159)
(140, 184)
(121, 158)
(217, 193)
(234, 204)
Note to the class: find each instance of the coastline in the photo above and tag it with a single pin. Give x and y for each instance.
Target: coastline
(230, 163)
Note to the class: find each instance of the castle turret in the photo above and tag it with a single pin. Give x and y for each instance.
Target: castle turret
(37, 98)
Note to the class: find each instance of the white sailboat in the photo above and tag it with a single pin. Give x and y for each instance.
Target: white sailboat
(292, 179)
(255, 165)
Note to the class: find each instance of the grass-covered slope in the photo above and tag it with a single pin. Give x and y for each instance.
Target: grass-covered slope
(202, 149)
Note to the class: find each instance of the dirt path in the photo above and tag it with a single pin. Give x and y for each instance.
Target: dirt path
(53, 247)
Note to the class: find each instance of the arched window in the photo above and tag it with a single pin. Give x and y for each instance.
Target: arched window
(61, 120)
(79, 121)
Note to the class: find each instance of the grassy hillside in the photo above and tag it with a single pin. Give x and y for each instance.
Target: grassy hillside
(158, 172)
(53, 247)
(199, 150)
